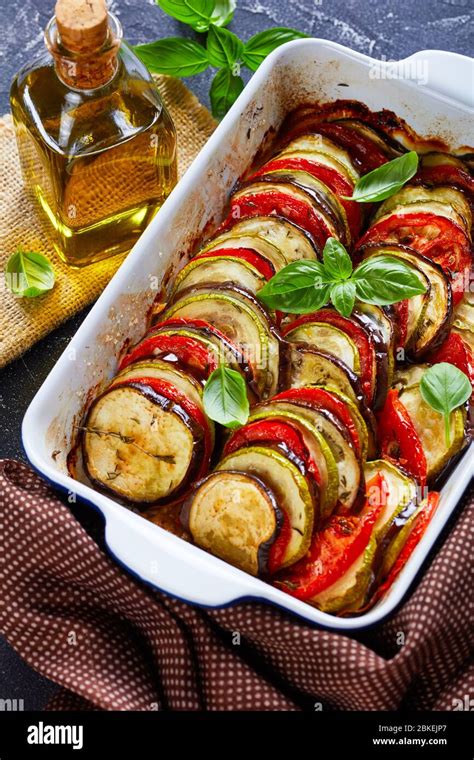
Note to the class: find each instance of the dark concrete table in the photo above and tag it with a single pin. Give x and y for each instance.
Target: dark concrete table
(390, 29)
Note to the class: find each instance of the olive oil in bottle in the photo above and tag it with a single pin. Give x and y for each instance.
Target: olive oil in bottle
(97, 146)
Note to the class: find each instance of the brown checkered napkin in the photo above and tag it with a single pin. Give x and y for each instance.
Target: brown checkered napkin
(113, 644)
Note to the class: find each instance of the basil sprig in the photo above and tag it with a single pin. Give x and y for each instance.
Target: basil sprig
(225, 397)
(305, 286)
(386, 180)
(182, 57)
(28, 274)
(444, 387)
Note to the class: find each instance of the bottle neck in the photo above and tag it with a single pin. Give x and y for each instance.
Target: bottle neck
(89, 69)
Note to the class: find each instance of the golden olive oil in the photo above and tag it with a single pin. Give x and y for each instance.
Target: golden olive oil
(98, 160)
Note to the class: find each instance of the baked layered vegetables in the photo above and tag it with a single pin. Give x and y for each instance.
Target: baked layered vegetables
(305, 387)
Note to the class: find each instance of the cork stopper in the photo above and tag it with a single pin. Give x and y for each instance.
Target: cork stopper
(84, 40)
(82, 24)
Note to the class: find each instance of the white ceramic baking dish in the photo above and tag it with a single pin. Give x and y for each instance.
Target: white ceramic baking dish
(306, 70)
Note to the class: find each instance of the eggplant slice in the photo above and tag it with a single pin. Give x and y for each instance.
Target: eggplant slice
(140, 445)
(290, 487)
(236, 517)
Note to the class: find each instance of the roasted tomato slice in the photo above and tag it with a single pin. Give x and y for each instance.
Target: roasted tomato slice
(268, 202)
(189, 351)
(333, 550)
(273, 431)
(335, 181)
(401, 311)
(278, 549)
(434, 236)
(356, 333)
(261, 264)
(399, 440)
(420, 525)
(456, 351)
(320, 398)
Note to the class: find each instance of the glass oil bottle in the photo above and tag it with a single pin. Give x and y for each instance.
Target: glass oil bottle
(97, 146)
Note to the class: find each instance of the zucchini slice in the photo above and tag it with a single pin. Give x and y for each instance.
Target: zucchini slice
(215, 341)
(329, 339)
(365, 431)
(140, 446)
(327, 199)
(464, 319)
(348, 593)
(236, 517)
(292, 241)
(430, 428)
(219, 269)
(310, 366)
(239, 316)
(290, 487)
(265, 248)
(449, 196)
(319, 145)
(337, 438)
(323, 159)
(399, 493)
(428, 328)
(163, 370)
(316, 443)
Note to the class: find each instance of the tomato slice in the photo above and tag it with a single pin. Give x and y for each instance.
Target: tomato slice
(421, 523)
(262, 265)
(169, 391)
(441, 239)
(456, 351)
(268, 202)
(320, 398)
(399, 440)
(356, 333)
(401, 310)
(279, 546)
(274, 430)
(333, 550)
(188, 350)
(335, 181)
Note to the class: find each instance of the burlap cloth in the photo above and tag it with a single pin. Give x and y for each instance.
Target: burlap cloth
(112, 643)
(25, 321)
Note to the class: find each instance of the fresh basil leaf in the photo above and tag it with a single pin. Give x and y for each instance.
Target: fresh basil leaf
(223, 12)
(298, 288)
(225, 397)
(223, 47)
(261, 44)
(225, 89)
(343, 297)
(337, 261)
(175, 56)
(383, 280)
(28, 274)
(386, 180)
(445, 387)
(195, 13)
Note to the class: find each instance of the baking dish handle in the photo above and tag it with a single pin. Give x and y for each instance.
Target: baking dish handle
(442, 72)
(171, 564)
